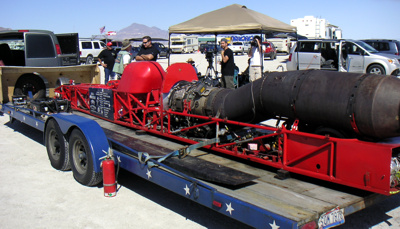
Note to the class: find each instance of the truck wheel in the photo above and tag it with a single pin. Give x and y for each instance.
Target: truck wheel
(81, 160)
(57, 146)
(376, 69)
(89, 60)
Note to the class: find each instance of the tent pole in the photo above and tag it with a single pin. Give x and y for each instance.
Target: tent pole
(262, 54)
(169, 45)
(215, 56)
(297, 47)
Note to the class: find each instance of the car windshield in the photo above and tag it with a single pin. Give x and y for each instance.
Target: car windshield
(366, 46)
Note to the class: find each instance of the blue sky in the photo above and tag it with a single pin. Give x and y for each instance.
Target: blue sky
(357, 18)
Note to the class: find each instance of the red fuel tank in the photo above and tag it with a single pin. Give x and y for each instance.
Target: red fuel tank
(141, 77)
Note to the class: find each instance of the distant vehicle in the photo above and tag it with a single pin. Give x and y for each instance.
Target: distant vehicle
(162, 50)
(210, 47)
(89, 50)
(239, 47)
(184, 44)
(203, 47)
(134, 51)
(341, 55)
(38, 48)
(385, 45)
(281, 44)
(269, 50)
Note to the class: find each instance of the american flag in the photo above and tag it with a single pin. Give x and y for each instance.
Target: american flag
(102, 29)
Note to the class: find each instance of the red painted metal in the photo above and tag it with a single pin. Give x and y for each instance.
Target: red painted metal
(351, 162)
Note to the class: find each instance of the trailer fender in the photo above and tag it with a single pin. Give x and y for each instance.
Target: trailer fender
(94, 134)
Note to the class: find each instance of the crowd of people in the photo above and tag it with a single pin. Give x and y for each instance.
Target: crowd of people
(114, 62)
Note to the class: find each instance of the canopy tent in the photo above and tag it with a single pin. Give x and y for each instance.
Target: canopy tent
(233, 19)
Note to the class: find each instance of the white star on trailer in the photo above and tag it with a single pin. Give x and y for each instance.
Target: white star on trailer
(148, 174)
(229, 208)
(187, 190)
(274, 226)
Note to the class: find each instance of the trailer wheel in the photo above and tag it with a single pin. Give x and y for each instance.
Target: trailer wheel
(81, 160)
(57, 147)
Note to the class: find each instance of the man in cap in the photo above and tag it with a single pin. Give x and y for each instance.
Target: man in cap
(147, 51)
(107, 60)
(123, 58)
(191, 61)
(227, 65)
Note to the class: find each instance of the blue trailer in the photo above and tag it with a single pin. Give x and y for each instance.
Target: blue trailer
(78, 141)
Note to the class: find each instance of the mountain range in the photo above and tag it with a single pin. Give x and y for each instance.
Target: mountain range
(135, 30)
(138, 31)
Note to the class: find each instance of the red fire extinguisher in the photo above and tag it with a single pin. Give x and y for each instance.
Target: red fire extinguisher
(109, 183)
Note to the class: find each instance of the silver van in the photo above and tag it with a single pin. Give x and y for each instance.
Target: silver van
(341, 55)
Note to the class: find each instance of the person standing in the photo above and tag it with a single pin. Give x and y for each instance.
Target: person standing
(256, 58)
(107, 60)
(148, 51)
(191, 62)
(123, 58)
(227, 65)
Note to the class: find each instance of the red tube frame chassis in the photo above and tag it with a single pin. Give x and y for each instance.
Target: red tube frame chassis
(351, 162)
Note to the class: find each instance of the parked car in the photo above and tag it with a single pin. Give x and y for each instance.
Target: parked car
(239, 47)
(385, 45)
(203, 47)
(269, 50)
(162, 50)
(209, 47)
(134, 51)
(341, 55)
(89, 50)
(282, 44)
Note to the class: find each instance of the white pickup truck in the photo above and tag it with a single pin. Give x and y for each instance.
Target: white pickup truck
(239, 47)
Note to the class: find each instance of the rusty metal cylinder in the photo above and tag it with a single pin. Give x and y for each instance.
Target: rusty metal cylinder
(366, 104)
(335, 100)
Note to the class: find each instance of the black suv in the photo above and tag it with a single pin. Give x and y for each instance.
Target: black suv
(385, 45)
(162, 50)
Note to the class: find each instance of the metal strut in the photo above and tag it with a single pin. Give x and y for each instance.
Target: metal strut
(180, 153)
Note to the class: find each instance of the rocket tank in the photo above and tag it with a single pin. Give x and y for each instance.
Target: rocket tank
(365, 104)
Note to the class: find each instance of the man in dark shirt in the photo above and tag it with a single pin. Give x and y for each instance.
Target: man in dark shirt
(227, 65)
(147, 51)
(107, 60)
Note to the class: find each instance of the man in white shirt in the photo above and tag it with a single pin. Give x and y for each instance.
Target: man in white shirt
(256, 57)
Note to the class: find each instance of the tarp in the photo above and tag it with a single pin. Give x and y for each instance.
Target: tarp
(233, 19)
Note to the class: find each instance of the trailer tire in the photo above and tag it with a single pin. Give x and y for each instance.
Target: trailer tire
(81, 160)
(56, 146)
